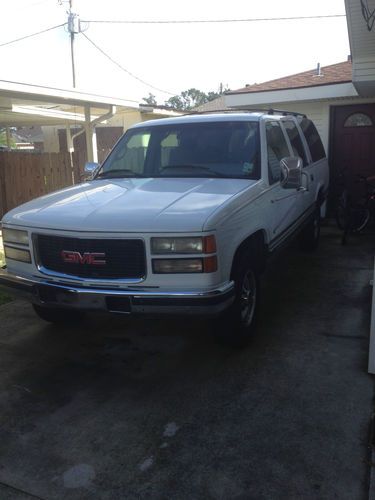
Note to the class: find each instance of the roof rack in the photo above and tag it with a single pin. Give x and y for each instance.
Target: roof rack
(269, 111)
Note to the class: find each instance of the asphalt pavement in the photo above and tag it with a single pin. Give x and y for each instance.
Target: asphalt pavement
(122, 408)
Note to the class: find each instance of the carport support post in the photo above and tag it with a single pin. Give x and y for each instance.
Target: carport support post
(70, 150)
(371, 351)
(91, 147)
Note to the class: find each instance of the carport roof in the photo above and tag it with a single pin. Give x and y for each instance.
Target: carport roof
(25, 104)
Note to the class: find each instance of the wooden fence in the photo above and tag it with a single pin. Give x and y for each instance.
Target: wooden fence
(24, 176)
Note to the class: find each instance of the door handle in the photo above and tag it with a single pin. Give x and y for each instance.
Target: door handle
(312, 177)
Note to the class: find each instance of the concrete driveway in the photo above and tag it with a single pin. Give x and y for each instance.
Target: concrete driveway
(136, 409)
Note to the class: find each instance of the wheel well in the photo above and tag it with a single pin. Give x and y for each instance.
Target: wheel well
(254, 244)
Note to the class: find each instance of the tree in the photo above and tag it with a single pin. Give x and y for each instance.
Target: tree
(3, 138)
(151, 100)
(189, 99)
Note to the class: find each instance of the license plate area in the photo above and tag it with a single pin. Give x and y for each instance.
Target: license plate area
(118, 304)
(56, 295)
(53, 295)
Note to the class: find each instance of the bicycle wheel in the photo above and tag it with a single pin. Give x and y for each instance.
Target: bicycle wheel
(359, 219)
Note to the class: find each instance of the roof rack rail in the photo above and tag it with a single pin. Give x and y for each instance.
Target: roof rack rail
(269, 111)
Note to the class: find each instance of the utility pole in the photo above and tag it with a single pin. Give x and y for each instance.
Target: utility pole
(74, 26)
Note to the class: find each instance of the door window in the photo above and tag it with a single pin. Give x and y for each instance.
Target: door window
(295, 140)
(277, 149)
(358, 120)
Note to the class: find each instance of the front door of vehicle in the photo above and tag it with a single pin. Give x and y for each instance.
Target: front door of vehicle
(284, 205)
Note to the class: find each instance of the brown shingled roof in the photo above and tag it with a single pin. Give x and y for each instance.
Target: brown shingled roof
(336, 73)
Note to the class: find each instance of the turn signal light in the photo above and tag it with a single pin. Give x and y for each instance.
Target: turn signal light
(210, 264)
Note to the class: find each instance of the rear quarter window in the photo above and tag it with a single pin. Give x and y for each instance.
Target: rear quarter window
(313, 140)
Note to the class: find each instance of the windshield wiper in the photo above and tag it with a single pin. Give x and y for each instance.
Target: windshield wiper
(119, 173)
(192, 167)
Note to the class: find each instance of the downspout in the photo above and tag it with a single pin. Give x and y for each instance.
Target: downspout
(107, 116)
(90, 126)
(92, 152)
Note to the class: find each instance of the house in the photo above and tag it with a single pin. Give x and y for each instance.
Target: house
(107, 133)
(339, 98)
(343, 114)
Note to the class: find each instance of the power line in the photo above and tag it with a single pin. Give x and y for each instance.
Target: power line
(124, 69)
(32, 34)
(196, 21)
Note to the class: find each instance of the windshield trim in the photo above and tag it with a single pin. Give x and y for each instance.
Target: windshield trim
(160, 128)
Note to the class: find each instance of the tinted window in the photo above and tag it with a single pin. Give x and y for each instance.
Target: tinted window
(295, 140)
(277, 149)
(313, 140)
(202, 149)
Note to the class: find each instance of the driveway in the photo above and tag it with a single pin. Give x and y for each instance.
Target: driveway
(143, 409)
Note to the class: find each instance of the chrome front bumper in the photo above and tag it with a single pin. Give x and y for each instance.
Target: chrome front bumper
(125, 301)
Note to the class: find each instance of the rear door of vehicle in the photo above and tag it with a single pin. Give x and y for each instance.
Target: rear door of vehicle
(283, 206)
(300, 150)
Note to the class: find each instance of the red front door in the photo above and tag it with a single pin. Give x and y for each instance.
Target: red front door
(353, 144)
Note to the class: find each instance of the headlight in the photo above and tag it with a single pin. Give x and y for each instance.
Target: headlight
(183, 245)
(17, 254)
(15, 236)
(171, 266)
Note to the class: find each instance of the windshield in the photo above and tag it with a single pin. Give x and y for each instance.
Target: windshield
(208, 149)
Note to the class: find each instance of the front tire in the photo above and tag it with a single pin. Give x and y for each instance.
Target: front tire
(58, 315)
(236, 326)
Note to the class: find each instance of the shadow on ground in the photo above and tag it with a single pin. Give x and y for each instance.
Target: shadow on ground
(131, 408)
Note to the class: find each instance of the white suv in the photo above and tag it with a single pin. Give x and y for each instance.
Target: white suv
(180, 218)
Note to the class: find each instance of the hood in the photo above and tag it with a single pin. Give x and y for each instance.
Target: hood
(134, 205)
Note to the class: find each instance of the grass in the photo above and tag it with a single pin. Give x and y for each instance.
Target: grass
(4, 298)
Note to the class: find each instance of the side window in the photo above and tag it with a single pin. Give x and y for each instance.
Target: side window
(295, 140)
(313, 140)
(277, 149)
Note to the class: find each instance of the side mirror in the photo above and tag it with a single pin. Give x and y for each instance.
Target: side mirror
(291, 173)
(90, 168)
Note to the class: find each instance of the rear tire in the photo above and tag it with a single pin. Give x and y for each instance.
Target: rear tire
(58, 315)
(236, 326)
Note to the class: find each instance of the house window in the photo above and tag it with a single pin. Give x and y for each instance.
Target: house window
(358, 120)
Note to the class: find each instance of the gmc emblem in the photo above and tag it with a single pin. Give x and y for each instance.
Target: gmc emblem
(90, 258)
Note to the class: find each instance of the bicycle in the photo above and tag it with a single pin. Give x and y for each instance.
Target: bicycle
(353, 214)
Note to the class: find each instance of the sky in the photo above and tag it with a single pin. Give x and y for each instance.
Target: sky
(169, 57)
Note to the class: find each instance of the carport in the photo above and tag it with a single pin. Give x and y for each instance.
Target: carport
(23, 104)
